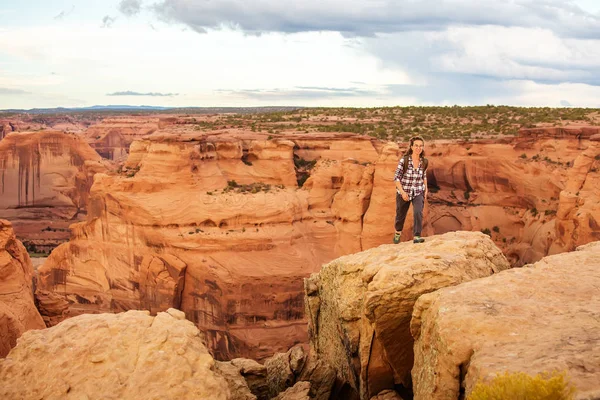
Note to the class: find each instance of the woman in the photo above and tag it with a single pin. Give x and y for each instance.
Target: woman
(411, 187)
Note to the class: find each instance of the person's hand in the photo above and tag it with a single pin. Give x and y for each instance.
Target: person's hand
(404, 196)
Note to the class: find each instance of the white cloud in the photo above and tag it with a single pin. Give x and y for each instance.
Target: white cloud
(368, 17)
(130, 7)
(530, 94)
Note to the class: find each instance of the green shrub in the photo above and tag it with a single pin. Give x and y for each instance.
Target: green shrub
(520, 386)
(496, 229)
(487, 231)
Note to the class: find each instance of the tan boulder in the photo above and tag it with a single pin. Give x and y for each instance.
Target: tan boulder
(359, 306)
(17, 309)
(126, 356)
(300, 391)
(542, 317)
(387, 395)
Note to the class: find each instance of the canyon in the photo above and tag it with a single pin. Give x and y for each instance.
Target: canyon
(224, 224)
(225, 221)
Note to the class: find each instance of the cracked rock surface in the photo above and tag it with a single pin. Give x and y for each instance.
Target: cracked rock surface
(542, 317)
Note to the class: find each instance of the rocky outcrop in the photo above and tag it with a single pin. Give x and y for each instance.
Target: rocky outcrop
(112, 137)
(45, 179)
(17, 309)
(577, 132)
(359, 306)
(539, 318)
(216, 227)
(534, 197)
(129, 355)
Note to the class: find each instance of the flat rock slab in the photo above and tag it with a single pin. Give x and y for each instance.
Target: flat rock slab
(359, 306)
(542, 317)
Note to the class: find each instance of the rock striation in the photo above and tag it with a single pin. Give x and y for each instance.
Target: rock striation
(45, 179)
(17, 309)
(126, 356)
(359, 306)
(539, 318)
(216, 227)
(225, 225)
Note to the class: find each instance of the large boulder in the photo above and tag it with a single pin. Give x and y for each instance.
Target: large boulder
(130, 355)
(359, 306)
(17, 309)
(542, 317)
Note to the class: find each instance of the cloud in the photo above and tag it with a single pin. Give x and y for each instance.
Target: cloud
(130, 93)
(370, 17)
(107, 21)
(63, 14)
(9, 91)
(130, 7)
(302, 92)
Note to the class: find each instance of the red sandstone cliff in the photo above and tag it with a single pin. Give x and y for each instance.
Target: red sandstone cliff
(191, 223)
(44, 183)
(17, 310)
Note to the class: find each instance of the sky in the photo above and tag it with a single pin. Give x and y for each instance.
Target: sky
(332, 53)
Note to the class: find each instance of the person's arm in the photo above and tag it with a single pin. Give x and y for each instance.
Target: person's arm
(397, 175)
(426, 188)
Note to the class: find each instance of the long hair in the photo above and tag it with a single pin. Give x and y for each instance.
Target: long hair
(410, 144)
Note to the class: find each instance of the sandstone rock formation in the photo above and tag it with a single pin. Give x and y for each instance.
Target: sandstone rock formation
(542, 317)
(214, 226)
(359, 306)
(300, 391)
(126, 356)
(17, 309)
(45, 180)
(534, 195)
(214, 223)
(111, 137)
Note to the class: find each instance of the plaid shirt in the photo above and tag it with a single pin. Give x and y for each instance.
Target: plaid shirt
(413, 180)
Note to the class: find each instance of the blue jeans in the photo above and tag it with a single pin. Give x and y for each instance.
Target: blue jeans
(402, 210)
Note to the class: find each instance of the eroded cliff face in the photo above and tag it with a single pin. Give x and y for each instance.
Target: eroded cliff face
(17, 309)
(534, 197)
(215, 224)
(111, 137)
(44, 184)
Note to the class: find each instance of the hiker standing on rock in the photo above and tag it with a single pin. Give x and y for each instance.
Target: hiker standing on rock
(411, 187)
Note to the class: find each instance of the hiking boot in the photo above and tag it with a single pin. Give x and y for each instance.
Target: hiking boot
(396, 238)
(418, 239)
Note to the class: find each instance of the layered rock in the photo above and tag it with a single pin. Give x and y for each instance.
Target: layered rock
(126, 356)
(214, 226)
(45, 181)
(539, 318)
(534, 196)
(111, 137)
(359, 306)
(17, 309)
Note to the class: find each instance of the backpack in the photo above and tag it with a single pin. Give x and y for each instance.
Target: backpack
(405, 163)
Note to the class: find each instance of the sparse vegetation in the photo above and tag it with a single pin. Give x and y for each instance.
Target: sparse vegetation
(253, 188)
(487, 232)
(519, 385)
